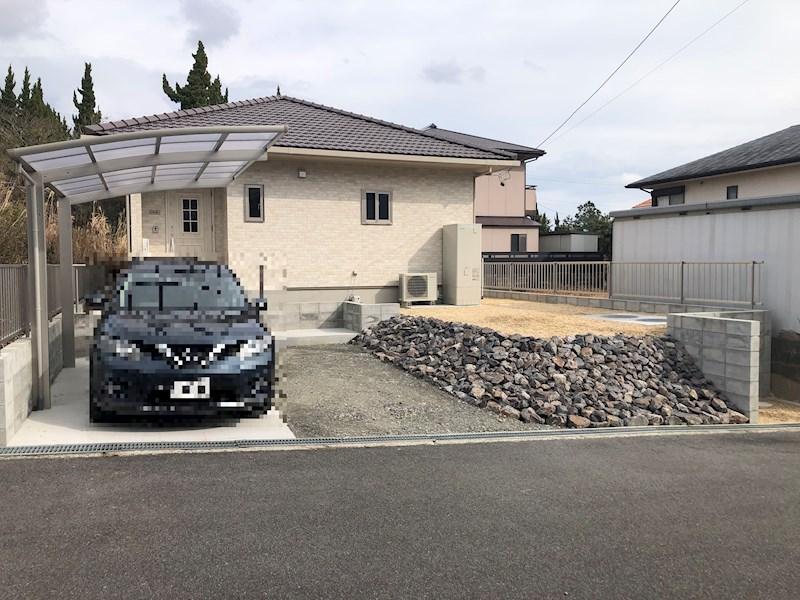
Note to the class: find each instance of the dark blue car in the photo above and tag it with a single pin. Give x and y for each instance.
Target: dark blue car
(179, 339)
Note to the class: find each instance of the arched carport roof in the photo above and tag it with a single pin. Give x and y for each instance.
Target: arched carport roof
(93, 168)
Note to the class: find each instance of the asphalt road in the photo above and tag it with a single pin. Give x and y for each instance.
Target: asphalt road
(712, 516)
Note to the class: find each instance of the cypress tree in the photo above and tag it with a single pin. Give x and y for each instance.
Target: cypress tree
(24, 99)
(215, 95)
(88, 113)
(8, 97)
(198, 91)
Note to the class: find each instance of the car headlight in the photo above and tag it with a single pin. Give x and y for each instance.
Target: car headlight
(121, 348)
(253, 348)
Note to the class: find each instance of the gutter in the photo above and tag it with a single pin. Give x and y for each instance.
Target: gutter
(708, 207)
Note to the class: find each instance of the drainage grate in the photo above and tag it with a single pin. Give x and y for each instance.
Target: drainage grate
(379, 439)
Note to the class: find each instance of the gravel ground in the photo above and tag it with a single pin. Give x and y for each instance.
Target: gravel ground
(534, 319)
(334, 391)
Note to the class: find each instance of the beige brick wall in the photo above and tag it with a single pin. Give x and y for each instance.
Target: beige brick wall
(312, 235)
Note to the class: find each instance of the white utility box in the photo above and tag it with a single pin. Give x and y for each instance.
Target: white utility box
(461, 264)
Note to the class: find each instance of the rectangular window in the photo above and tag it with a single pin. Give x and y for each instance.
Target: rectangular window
(190, 220)
(732, 193)
(376, 208)
(669, 196)
(254, 203)
(519, 242)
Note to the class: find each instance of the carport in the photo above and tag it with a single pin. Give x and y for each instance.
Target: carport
(96, 168)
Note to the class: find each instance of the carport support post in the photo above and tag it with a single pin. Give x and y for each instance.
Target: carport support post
(66, 282)
(37, 284)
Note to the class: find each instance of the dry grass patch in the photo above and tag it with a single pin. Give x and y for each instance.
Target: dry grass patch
(532, 318)
(779, 411)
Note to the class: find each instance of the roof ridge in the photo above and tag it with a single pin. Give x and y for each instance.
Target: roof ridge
(100, 127)
(390, 124)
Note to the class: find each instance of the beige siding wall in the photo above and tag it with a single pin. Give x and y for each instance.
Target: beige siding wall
(498, 239)
(530, 199)
(493, 199)
(312, 235)
(219, 202)
(135, 225)
(776, 181)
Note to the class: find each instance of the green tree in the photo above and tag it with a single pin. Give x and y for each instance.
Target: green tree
(199, 90)
(544, 222)
(88, 113)
(8, 97)
(24, 99)
(589, 218)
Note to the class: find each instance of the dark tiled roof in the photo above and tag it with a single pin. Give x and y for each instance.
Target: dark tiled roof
(521, 152)
(310, 126)
(779, 148)
(506, 222)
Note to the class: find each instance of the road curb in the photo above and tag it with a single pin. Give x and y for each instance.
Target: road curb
(128, 448)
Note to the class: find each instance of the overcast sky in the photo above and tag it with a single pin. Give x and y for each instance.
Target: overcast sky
(511, 70)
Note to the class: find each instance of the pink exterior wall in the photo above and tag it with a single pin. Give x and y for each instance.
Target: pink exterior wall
(495, 200)
(498, 239)
(530, 200)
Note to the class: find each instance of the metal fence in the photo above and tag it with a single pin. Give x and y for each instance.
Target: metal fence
(724, 283)
(577, 277)
(14, 301)
(734, 283)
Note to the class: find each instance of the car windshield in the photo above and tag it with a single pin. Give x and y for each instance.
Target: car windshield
(187, 288)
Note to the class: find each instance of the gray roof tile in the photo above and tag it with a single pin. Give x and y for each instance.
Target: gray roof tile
(521, 152)
(779, 148)
(312, 126)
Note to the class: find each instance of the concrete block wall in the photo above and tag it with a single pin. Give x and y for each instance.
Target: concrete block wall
(729, 347)
(304, 315)
(359, 316)
(16, 372)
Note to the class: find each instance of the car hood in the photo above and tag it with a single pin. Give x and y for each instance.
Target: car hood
(182, 329)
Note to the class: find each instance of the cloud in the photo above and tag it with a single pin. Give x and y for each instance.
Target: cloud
(529, 64)
(21, 17)
(210, 21)
(452, 72)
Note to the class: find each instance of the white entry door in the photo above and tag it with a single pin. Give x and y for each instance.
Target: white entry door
(189, 224)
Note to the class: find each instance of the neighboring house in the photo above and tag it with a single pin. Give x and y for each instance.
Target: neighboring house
(504, 204)
(644, 204)
(741, 204)
(341, 204)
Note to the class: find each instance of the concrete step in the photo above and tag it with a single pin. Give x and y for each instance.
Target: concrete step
(314, 337)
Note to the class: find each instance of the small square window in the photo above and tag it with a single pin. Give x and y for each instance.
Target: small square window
(376, 208)
(519, 242)
(190, 215)
(254, 203)
(732, 192)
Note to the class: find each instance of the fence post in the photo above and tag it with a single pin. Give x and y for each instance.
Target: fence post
(555, 269)
(609, 279)
(753, 285)
(683, 264)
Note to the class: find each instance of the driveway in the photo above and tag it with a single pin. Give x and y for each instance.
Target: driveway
(705, 516)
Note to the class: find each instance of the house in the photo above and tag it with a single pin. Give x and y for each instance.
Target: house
(504, 204)
(741, 204)
(340, 205)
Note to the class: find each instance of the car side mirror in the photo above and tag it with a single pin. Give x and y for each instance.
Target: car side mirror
(260, 304)
(94, 301)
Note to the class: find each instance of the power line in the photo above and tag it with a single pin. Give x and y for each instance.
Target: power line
(607, 79)
(656, 68)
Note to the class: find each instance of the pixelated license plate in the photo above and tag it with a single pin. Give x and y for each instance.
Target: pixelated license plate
(199, 389)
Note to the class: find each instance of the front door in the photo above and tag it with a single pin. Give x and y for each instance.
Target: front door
(189, 225)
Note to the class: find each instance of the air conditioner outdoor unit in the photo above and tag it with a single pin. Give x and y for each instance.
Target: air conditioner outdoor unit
(418, 287)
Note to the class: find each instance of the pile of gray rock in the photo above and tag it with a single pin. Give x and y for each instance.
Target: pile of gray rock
(574, 381)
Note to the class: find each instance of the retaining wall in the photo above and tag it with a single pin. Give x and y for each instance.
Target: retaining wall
(16, 398)
(642, 306)
(732, 348)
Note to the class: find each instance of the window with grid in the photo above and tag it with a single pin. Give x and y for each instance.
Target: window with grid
(190, 220)
(376, 208)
